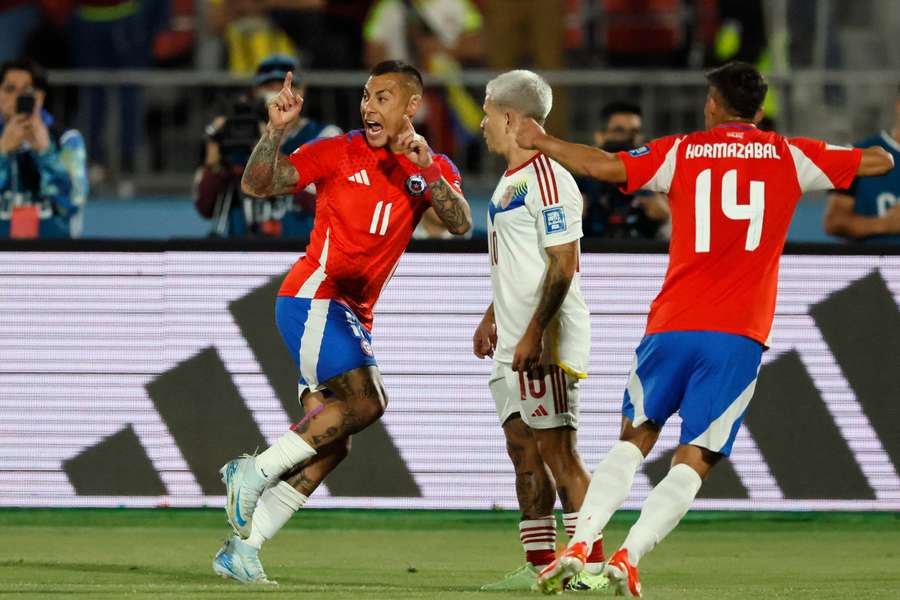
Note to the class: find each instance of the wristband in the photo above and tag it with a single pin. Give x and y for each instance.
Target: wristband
(431, 173)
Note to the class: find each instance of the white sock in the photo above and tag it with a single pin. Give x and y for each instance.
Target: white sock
(662, 510)
(275, 507)
(287, 452)
(609, 487)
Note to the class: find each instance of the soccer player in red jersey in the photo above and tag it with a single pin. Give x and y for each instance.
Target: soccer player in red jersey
(732, 191)
(373, 185)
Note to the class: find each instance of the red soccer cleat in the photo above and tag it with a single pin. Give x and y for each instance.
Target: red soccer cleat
(622, 575)
(553, 578)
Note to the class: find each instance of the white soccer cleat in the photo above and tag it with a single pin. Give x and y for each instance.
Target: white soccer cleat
(554, 577)
(243, 485)
(239, 560)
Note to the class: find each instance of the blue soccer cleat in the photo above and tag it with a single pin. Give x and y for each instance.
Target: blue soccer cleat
(243, 485)
(239, 560)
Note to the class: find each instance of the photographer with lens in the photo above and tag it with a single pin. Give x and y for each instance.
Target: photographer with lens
(231, 138)
(43, 173)
(609, 212)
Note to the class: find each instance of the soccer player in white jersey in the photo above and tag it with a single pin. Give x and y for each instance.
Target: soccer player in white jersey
(537, 328)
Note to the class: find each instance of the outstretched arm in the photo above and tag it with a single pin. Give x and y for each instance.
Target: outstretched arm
(577, 158)
(562, 261)
(875, 161)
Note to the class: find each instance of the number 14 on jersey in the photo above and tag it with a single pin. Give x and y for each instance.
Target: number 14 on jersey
(752, 212)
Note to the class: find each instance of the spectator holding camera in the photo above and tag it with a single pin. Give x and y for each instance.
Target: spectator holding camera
(230, 140)
(43, 174)
(609, 212)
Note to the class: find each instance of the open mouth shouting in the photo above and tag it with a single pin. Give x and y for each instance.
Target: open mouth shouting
(374, 128)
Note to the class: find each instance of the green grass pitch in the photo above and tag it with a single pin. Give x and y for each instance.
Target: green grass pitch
(386, 555)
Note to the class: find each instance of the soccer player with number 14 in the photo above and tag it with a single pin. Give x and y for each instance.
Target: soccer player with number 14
(732, 192)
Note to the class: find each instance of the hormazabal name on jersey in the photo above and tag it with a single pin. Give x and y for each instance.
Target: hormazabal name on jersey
(724, 150)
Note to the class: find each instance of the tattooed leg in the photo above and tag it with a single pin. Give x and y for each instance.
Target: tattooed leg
(360, 401)
(557, 448)
(534, 484)
(306, 477)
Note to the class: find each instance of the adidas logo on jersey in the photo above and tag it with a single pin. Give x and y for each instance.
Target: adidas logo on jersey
(540, 412)
(360, 177)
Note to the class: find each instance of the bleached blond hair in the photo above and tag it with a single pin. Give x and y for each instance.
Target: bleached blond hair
(523, 91)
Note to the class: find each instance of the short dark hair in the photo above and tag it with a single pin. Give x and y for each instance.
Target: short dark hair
(398, 66)
(38, 75)
(741, 86)
(619, 107)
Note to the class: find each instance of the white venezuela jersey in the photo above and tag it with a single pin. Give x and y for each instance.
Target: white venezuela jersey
(534, 207)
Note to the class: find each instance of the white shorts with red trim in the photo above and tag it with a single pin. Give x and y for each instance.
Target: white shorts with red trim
(545, 399)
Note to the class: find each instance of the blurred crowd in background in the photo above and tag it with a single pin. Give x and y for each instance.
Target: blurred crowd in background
(352, 34)
(139, 129)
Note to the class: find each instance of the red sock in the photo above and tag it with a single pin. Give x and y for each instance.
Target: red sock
(538, 537)
(596, 556)
(540, 558)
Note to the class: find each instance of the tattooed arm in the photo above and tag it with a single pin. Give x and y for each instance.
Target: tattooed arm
(561, 264)
(451, 207)
(268, 172)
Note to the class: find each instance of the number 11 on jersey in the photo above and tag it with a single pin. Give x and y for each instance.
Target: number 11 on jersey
(374, 228)
(752, 212)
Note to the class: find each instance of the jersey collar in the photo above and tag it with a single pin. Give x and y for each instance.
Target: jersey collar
(744, 126)
(523, 165)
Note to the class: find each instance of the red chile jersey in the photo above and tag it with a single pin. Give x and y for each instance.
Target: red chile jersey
(732, 192)
(369, 201)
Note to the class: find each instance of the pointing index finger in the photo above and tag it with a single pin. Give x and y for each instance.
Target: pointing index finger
(288, 80)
